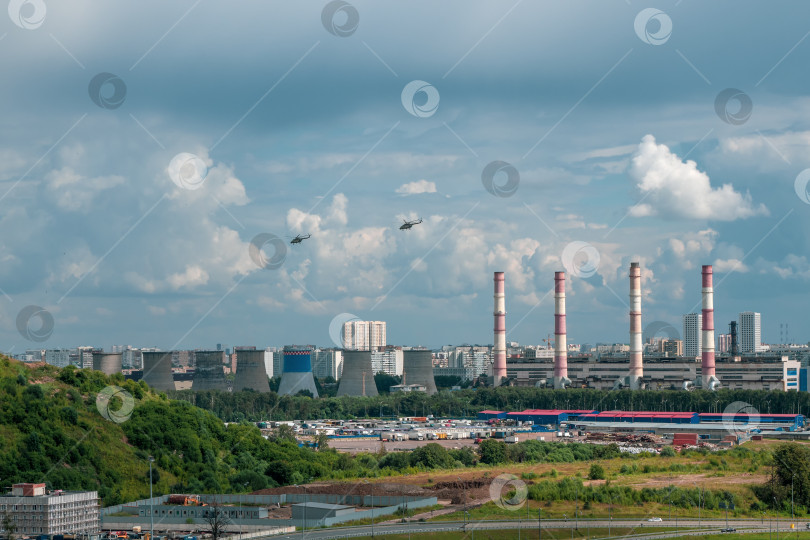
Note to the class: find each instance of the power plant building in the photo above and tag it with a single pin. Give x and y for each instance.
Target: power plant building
(208, 372)
(251, 373)
(157, 370)
(364, 335)
(358, 375)
(760, 372)
(297, 375)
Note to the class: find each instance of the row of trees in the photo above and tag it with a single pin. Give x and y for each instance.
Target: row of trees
(255, 406)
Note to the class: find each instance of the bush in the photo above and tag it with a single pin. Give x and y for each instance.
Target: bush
(596, 472)
(667, 451)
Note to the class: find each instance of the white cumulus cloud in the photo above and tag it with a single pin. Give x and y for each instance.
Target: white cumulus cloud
(415, 188)
(676, 189)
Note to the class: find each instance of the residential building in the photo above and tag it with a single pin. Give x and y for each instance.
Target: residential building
(750, 332)
(692, 335)
(364, 335)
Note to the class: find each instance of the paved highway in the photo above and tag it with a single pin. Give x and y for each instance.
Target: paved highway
(643, 530)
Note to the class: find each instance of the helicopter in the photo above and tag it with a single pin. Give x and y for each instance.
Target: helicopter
(406, 226)
(300, 238)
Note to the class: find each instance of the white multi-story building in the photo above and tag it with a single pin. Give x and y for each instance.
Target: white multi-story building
(750, 332)
(57, 357)
(473, 360)
(364, 335)
(268, 362)
(388, 360)
(327, 363)
(692, 335)
(34, 511)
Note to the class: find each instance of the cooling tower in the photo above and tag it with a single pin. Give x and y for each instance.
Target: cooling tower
(708, 379)
(561, 379)
(107, 363)
(208, 374)
(499, 348)
(419, 367)
(297, 374)
(157, 370)
(358, 376)
(250, 371)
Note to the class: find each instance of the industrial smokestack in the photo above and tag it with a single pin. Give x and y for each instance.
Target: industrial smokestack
(499, 349)
(636, 360)
(708, 379)
(561, 379)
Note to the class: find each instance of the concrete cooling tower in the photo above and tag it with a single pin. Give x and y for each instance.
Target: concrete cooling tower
(250, 372)
(208, 374)
(297, 374)
(157, 370)
(418, 368)
(108, 363)
(358, 376)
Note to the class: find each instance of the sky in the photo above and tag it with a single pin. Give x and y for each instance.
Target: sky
(158, 157)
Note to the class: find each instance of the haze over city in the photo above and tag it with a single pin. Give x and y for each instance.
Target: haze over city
(615, 135)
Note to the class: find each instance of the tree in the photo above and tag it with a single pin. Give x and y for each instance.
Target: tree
(597, 472)
(216, 520)
(384, 382)
(492, 452)
(322, 441)
(9, 527)
(283, 432)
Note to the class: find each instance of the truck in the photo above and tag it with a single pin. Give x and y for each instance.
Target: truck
(416, 436)
(511, 439)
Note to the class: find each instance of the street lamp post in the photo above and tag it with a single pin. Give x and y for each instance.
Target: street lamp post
(151, 512)
(610, 512)
(777, 518)
(240, 510)
(576, 515)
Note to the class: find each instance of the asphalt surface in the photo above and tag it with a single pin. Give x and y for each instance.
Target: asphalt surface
(643, 530)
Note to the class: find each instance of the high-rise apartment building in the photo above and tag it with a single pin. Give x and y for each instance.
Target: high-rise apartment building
(692, 336)
(364, 335)
(388, 360)
(750, 333)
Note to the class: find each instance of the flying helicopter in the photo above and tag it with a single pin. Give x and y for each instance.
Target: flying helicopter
(406, 225)
(300, 238)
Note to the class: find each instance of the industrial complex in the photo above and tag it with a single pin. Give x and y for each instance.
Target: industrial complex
(734, 360)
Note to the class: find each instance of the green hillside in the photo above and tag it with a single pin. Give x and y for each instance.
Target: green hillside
(51, 431)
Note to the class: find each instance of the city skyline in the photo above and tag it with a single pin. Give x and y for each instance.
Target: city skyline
(150, 154)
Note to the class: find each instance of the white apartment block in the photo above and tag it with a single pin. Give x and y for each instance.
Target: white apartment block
(364, 335)
(692, 335)
(57, 357)
(35, 511)
(750, 332)
(327, 363)
(389, 361)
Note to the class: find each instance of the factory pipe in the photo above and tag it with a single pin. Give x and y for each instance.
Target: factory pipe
(708, 379)
(499, 349)
(561, 379)
(636, 359)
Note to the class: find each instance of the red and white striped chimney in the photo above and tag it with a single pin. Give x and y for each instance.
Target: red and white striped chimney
(708, 379)
(636, 359)
(499, 349)
(560, 344)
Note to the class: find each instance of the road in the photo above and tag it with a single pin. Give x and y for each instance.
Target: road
(707, 526)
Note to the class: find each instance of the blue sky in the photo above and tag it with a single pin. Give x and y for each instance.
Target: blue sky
(606, 110)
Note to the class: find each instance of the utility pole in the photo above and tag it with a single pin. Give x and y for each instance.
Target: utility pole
(539, 524)
(151, 512)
